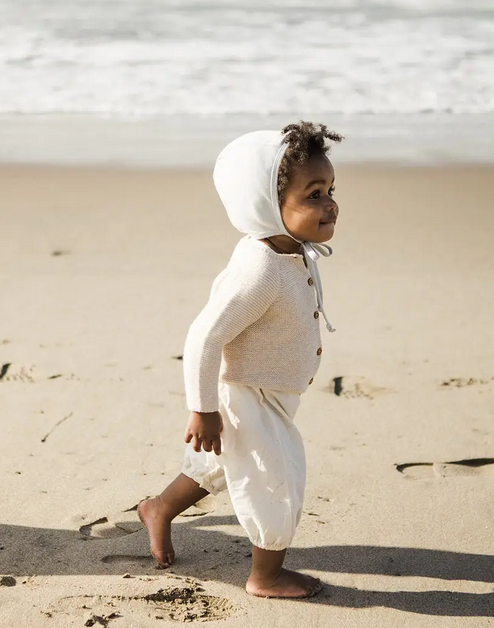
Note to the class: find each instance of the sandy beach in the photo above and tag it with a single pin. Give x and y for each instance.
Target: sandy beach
(101, 273)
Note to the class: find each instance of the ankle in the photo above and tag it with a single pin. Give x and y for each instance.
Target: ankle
(267, 565)
(265, 578)
(168, 510)
(159, 507)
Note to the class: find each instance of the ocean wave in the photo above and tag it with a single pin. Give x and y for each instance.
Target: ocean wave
(360, 57)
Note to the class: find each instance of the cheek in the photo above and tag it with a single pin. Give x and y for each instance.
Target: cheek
(290, 216)
(299, 216)
(311, 215)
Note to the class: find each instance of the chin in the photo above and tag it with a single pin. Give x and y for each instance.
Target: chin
(325, 233)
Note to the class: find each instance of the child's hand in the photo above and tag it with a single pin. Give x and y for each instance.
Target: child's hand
(203, 430)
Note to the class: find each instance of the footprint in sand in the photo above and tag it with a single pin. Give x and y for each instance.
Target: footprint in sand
(146, 561)
(105, 529)
(462, 382)
(181, 604)
(10, 373)
(469, 467)
(28, 374)
(352, 387)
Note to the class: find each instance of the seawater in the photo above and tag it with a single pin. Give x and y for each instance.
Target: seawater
(135, 58)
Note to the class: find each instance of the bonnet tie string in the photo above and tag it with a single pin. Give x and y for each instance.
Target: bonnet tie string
(313, 252)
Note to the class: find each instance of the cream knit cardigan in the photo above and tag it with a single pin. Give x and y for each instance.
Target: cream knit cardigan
(260, 327)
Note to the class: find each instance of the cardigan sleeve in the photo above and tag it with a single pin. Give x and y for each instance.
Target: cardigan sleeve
(239, 297)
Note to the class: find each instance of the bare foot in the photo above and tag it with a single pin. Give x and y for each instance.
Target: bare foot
(153, 515)
(289, 584)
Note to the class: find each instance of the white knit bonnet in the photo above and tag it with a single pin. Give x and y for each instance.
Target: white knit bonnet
(246, 178)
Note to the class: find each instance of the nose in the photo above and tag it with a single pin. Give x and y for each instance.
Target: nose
(331, 205)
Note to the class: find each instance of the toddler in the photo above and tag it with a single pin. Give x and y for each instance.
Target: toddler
(254, 349)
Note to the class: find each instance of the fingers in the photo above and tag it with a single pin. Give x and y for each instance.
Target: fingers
(217, 446)
(213, 444)
(196, 443)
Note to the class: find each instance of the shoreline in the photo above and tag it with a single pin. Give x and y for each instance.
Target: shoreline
(194, 143)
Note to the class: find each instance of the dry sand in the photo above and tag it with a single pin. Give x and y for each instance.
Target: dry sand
(101, 274)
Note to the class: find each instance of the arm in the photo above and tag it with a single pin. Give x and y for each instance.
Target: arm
(240, 296)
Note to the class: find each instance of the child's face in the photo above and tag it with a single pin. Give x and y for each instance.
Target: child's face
(309, 211)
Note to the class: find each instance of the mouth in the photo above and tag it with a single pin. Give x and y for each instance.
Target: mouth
(331, 221)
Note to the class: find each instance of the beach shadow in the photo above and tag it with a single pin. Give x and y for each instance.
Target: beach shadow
(211, 554)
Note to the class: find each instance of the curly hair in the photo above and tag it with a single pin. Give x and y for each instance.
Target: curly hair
(305, 140)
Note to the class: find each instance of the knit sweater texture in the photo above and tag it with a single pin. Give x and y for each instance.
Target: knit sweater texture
(259, 328)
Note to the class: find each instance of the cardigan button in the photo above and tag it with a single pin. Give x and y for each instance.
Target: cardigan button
(316, 314)
(310, 281)
(312, 379)
(319, 351)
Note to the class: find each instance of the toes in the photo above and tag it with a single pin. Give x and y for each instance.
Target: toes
(164, 561)
(167, 561)
(161, 563)
(314, 588)
(317, 588)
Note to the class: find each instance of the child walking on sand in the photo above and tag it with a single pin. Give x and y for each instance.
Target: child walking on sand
(254, 349)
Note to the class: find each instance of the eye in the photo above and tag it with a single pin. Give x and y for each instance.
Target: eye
(315, 194)
(331, 190)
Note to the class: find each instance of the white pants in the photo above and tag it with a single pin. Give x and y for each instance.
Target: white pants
(262, 463)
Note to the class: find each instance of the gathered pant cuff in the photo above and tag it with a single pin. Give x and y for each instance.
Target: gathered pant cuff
(204, 470)
(270, 547)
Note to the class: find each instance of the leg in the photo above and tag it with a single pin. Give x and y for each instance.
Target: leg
(264, 464)
(158, 513)
(269, 579)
